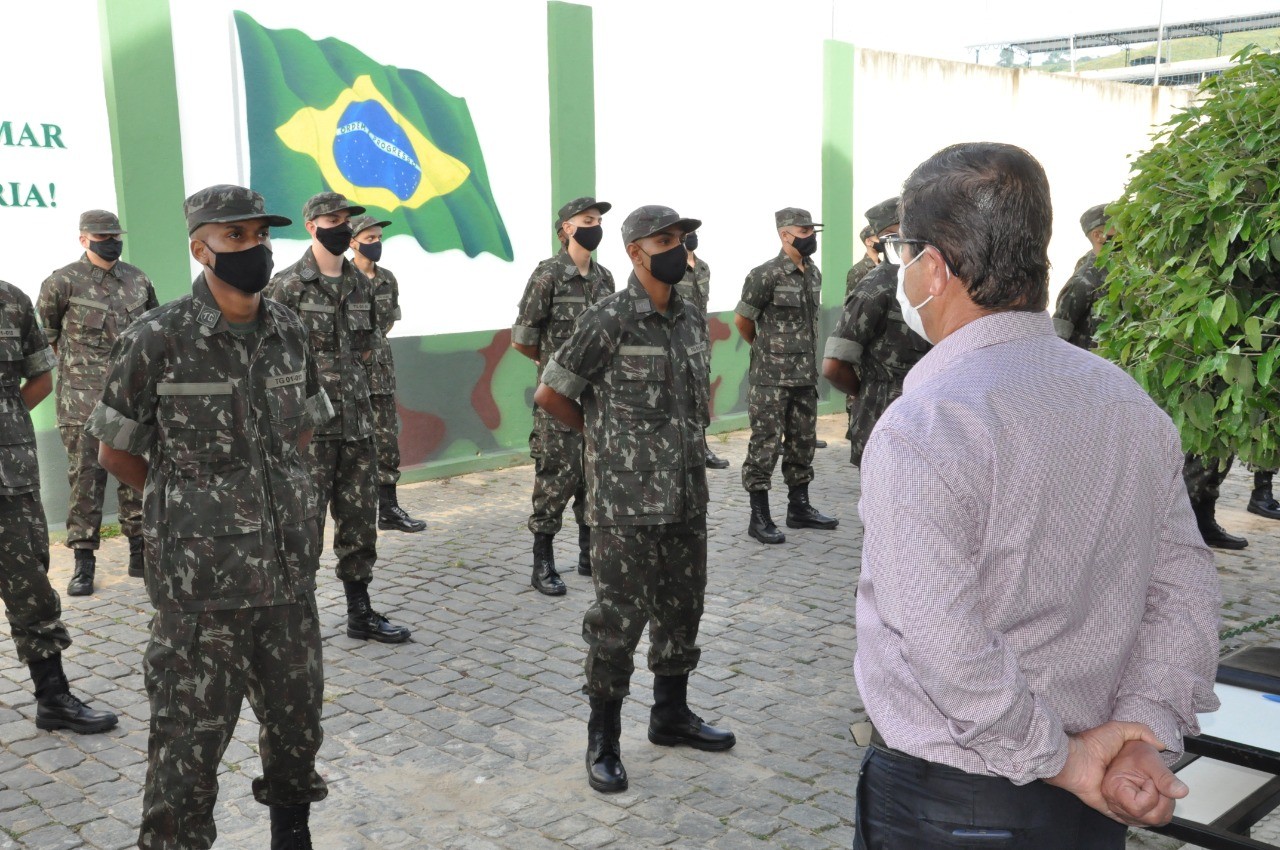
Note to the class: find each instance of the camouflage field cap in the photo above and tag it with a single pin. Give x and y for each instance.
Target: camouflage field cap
(1093, 217)
(578, 205)
(100, 221)
(794, 216)
(226, 203)
(364, 222)
(648, 220)
(884, 214)
(866, 233)
(326, 203)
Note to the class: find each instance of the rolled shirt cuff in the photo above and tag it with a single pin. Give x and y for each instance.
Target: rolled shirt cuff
(52, 334)
(1063, 328)
(1158, 718)
(395, 314)
(746, 311)
(844, 350)
(319, 409)
(120, 432)
(525, 335)
(562, 380)
(38, 363)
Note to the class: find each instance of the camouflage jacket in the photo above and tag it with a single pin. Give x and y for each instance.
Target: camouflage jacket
(341, 327)
(554, 298)
(784, 303)
(645, 461)
(1073, 317)
(695, 286)
(24, 354)
(872, 336)
(860, 270)
(84, 309)
(229, 511)
(386, 310)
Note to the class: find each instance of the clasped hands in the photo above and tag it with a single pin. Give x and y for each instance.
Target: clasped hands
(1116, 769)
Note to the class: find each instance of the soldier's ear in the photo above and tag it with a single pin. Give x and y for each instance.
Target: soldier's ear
(200, 252)
(84, 241)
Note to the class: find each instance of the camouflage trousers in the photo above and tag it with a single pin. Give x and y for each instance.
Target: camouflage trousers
(344, 476)
(1203, 477)
(644, 574)
(557, 475)
(88, 482)
(32, 606)
(386, 430)
(784, 421)
(198, 668)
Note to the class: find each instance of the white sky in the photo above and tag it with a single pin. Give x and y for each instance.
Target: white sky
(945, 28)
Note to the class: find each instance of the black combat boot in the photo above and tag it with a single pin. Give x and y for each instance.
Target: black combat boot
(1261, 502)
(672, 723)
(545, 578)
(56, 708)
(605, 772)
(713, 460)
(364, 623)
(584, 550)
(762, 527)
(801, 514)
(1214, 535)
(289, 830)
(137, 564)
(81, 583)
(392, 517)
(819, 444)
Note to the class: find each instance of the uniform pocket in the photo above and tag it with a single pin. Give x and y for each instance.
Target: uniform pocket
(787, 296)
(319, 320)
(199, 421)
(642, 388)
(85, 320)
(359, 317)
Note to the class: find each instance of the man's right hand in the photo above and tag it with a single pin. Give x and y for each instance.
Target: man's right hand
(1090, 753)
(1140, 789)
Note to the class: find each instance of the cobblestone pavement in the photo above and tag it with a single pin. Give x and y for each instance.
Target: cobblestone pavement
(473, 735)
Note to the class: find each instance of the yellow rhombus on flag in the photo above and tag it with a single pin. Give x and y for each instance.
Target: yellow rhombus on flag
(313, 132)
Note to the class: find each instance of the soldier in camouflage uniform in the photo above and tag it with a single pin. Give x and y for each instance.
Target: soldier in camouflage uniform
(559, 290)
(84, 307)
(209, 402)
(1073, 315)
(637, 362)
(366, 242)
(875, 255)
(695, 288)
(871, 349)
(778, 317)
(335, 303)
(31, 604)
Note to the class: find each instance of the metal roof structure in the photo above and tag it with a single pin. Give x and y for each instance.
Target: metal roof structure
(1215, 27)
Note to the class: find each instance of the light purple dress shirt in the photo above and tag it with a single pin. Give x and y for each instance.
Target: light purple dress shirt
(1030, 564)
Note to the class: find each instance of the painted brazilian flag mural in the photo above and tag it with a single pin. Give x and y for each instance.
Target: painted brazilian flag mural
(323, 115)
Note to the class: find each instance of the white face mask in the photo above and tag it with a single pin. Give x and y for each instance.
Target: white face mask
(911, 314)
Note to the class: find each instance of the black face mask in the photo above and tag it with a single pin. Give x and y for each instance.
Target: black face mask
(371, 250)
(107, 249)
(806, 245)
(248, 271)
(885, 256)
(691, 242)
(334, 239)
(669, 266)
(589, 237)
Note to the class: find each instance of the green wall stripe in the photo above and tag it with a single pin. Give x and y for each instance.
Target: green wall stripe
(837, 168)
(571, 85)
(142, 110)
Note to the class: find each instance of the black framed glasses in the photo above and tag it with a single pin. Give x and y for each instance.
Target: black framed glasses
(897, 248)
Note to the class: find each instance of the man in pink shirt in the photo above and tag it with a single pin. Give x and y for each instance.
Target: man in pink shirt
(1036, 611)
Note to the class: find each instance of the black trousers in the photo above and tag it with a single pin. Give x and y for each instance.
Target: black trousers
(906, 803)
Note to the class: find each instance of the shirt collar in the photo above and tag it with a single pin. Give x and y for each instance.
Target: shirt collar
(310, 272)
(993, 329)
(209, 314)
(96, 273)
(569, 269)
(788, 265)
(643, 307)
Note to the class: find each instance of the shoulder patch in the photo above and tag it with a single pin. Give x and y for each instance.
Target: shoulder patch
(208, 317)
(643, 305)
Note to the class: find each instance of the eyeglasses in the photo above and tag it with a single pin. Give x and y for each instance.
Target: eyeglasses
(897, 246)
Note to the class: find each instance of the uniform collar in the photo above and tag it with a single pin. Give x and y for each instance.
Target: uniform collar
(642, 307)
(784, 262)
(209, 315)
(309, 272)
(569, 269)
(95, 273)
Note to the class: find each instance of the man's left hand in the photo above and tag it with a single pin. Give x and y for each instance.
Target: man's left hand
(1139, 789)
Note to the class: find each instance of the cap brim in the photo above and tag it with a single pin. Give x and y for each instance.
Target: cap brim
(603, 206)
(272, 220)
(371, 224)
(686, 225)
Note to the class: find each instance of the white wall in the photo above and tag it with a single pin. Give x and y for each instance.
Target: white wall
(1083, 132)
(63, 87)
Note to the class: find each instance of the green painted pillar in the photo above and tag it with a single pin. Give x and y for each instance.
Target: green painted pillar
(146, 141)
(839, 233)
(571, 86)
